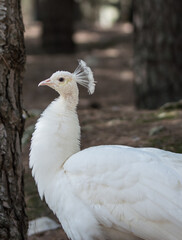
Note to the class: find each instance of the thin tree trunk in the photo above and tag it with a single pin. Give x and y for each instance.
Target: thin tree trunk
(57, 18)
(158, 45)
(13, 224)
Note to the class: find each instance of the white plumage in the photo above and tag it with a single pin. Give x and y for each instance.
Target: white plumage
(103, 192)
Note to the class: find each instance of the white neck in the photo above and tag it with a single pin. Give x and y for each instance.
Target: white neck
(55, 139)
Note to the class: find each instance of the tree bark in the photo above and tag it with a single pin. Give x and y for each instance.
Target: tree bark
(158, 45)
(58, 17)
(13, 224)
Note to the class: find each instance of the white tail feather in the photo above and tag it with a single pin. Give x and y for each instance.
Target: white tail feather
(84, 76)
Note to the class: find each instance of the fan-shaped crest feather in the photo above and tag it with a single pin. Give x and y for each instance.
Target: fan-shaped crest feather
(84, 76)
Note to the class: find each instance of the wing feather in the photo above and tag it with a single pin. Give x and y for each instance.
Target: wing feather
(129, 189)
(173, 160)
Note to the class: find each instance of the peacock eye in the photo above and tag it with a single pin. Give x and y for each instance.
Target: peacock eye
(61, 79)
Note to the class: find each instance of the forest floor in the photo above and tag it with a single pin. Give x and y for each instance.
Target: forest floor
(107, 117)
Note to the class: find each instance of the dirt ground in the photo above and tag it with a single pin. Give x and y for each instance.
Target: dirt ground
(107, 117)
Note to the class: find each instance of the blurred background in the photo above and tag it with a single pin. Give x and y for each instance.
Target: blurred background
(134, 49)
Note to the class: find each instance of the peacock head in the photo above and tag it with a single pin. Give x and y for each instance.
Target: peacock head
(64, 82)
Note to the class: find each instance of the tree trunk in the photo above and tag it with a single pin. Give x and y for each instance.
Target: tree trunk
(57, 18)
(13, 224)
(158, 45)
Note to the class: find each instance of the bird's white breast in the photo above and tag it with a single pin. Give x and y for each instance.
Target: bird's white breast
(55, 139)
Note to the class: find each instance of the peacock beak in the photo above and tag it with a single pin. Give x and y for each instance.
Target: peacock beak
(45, 82)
